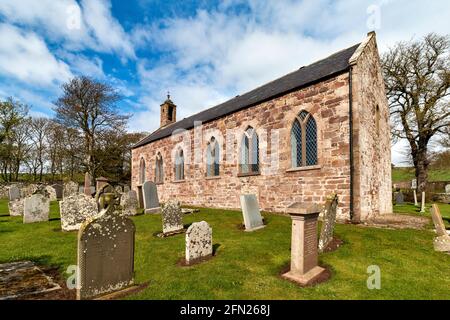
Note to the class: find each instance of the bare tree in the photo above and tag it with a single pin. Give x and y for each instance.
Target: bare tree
(39, 130)
(417, 77)
(90, 107)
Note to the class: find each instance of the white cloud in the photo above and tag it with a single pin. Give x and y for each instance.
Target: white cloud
(220, 53)
(89, 26)
(25, 56)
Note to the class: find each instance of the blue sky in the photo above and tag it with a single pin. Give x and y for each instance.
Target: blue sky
(203, 52)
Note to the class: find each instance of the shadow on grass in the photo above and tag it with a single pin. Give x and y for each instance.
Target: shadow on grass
(4, 215)
(54, 219)
(215, 248)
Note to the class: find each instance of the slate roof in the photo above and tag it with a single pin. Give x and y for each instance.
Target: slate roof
(303, 77)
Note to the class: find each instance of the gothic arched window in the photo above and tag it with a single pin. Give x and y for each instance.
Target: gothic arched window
(142, 171)
(304, 141)
(159, 171)
(179, 165)
(212, 158)
(249, 159)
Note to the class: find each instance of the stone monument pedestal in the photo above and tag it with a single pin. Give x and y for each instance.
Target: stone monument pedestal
(304, 251)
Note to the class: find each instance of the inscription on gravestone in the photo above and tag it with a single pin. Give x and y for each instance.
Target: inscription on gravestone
(150, 197)
(105, 254)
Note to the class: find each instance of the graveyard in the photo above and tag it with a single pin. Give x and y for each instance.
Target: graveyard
(246, 265)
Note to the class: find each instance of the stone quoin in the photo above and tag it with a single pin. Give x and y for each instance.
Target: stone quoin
(321, 129)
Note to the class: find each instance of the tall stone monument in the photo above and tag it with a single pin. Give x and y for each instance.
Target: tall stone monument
(105, 254)
(304, 253)
(150, 197)
(250, 211)
(87, 184)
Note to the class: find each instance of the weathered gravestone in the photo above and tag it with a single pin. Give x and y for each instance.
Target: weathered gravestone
(447, 188)
(105, 254)
(14, 193)
(51, 193)
(70, 188)
(126, 188)
(442, 241)
(36, 208)
(172, 217)
(329, 220)
(118, 189)
(198, 242)
(304, 252)
(59, 190)
(250, 210)
(129, 203)
(87, 184)
(399, 198)
(151, 200)
(16, 207)
(75, 210)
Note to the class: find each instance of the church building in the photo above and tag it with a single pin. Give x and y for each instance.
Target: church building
(319, 130)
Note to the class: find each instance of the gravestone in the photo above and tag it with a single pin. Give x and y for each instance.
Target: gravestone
(304, 252)
(329, 220)
(80, 189)
(415, 197)
(59, 190)
(36, 208)
(87, 184)
(414, 184)
(399, 198)
(250, 211)
(422, 208)
(172, 217)
(70, 188)
(129, 203)
(150, 197)
(14, 193)
(118, 189)
(447, 188)
(442, 240)
(105, 254)
(75, 210)
(198, 242)
(15, 208)
(101, 182)
(126, 188)
(51, 193)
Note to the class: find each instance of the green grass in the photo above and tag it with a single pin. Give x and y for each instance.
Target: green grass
(407, 174)
(410, 208)
(247, 265)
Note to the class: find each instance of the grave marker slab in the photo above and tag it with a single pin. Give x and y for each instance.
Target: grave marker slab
(447, 188)
(172, 217)
(14, 193)
(15, 208)
(70, 188)
(129, 203)
(36, 208)
(442, 241)
(198, 242)
(250, 211)
(329, 220)
(59, 190)
(304, 252)
(150, 197)
(105, 254)
(399, 198)
(75, 210)
(51, 193)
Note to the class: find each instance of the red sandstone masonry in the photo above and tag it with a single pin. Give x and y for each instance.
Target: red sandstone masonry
(326, 101)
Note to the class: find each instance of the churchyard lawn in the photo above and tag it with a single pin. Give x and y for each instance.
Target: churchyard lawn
(410, 208)
(247, 265)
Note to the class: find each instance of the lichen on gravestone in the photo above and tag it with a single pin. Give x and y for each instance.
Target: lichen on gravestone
(329, 221)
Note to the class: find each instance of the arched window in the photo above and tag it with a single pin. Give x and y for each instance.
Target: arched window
(142, 171)
(304, 141)
(212, 158)
(179, 165)
(159, 171)
(249, 159)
